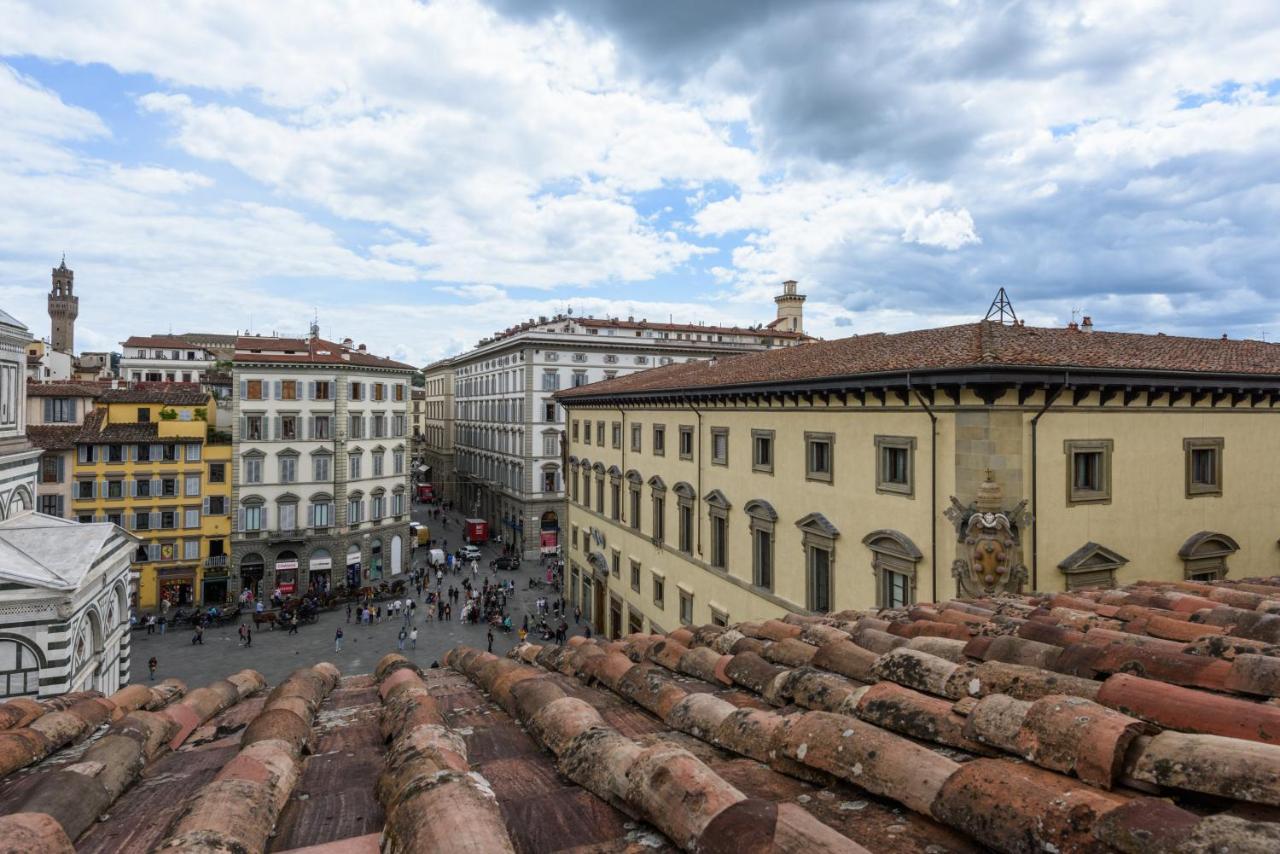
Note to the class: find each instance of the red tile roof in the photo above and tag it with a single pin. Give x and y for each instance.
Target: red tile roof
(615, 323)
(68, 388)
(53, 437)
(259, 349)
(170, 342)
(167, 394)
(981, 345)
(1064, 722)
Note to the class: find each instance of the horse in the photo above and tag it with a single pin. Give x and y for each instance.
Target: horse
(268, 617)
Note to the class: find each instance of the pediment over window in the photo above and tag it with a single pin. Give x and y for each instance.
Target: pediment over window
(287, 498)
(573, 461)
(1208, 544)
(255, 454)
(1092, 557)
(598, 468)
(816, 523)
(716, 498)
(657, 483)
(684, 490)
(287, 452)
(761, 509)
(894, 544)
(634, 477)
(615, 472)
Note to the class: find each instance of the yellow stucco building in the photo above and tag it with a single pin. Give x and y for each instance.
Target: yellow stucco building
(882, 470)
(147, 461)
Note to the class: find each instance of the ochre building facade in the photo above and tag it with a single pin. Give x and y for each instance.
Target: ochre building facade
(883, 470)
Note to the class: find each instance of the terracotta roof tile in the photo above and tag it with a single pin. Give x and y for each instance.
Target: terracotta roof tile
(315, 351)
(54, 437)
(66, 389)
(982, 345)
(167, 394)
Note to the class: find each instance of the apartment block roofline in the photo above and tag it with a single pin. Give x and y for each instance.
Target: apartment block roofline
(271, 350)
(983, 352)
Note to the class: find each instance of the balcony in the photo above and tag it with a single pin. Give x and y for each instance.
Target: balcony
(216, 562)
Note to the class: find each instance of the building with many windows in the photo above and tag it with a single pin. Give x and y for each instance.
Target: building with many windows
(64, 617)
(882, 470)
(508, 425)
(321, 470)
(147, 460)
(436, 442)
(55, 416)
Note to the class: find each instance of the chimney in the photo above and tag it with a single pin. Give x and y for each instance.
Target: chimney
(1073, 325)
(361, 348)
(346, 342)
(1087, 324)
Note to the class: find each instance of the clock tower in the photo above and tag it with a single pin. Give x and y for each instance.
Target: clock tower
(64, 305)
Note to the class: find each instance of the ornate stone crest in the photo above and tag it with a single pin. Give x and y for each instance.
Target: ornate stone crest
(990, 560)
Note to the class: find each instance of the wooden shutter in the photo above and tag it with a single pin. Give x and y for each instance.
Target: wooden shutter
(244, 389)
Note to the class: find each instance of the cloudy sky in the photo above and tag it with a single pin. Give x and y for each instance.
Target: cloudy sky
(423, 173)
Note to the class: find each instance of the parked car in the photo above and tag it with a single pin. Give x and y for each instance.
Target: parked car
(470, 552)
(508, 563)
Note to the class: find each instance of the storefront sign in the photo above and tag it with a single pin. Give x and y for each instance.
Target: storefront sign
(319, 563)
(286, 564)
(548, 541)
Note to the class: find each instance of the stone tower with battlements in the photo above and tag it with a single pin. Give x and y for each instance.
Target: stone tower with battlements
(64, 305)
(790, 309)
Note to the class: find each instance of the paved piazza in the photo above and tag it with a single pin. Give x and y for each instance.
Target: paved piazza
(276, 654)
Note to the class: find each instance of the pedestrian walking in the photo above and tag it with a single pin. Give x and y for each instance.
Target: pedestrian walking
(241, 634)
(337, 640)
(490, 635)
(151, 666)
(577, 614)
(348, 612)
(163, 622)
(151, 624)
(402, 636)
(198, 637)
(413, 637)
(293, 624)
(523, 634)
(586, 631)
(248, 635)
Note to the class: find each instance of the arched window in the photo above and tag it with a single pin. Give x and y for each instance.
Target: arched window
(19, 669)
(1204, 555)
(894, 559)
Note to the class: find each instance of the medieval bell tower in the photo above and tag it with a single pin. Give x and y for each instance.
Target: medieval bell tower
(790, 308)
(64, 305)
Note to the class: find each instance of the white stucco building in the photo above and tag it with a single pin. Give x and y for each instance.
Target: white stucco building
(64, 587)
(320, 465)
(507, 427)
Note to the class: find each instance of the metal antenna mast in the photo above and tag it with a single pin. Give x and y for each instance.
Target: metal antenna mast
(1001, 310)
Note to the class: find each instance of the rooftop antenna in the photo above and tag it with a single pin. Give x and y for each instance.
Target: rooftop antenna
(1001, 310)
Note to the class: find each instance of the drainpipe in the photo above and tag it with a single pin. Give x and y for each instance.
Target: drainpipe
(1050, 398)
(697, 517)
(933, 490)
(622, 516)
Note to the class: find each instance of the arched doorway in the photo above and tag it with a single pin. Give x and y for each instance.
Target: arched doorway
(353, 567)
(252, 568)
(375, 560)
(549, 533)
(319, 568)
(287, 572)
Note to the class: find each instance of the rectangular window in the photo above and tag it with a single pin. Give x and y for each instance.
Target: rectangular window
(323, 390)
(59, 410)
(379, 426)
(169, 487)
(720, 446)
(762, 558)
(719, 618)
(686, 607)
(355, 427)
(253, 518)
(397, 504)
(253, 428)
(51, 469)
(169, 453)
(659, 440)
(616, 434)
(191, 485)
(819, 579)
(579, 378)
(685, 513)
(818, 452)
(142, 521)
(615, 563)
(322, 514)
(353, 465)
(548, 481)
(288, 469)
(253, 390)
(142, 487)
(600, 433)
(549, 445)
(191, 517)
(659, 590)
(549, 412)
(217, 505)
(686, 443)
(895, 464)
(1204, 466)
(144, 414)
(51, 505)
(322, 427)
(615, 495)
(191, 550)
(217, 472)
(659, 520)
(574, 429)
(289, 390)
(115, 453)
(719, 541)
(635, 575)
(897, 590)
(288, 428)
(253, 470)
(355, 511)
(550, 380)
(762, 450)
(168, 520)
(87, 453)
(637, 433)
(573, 537)
(397, 458)
(1088, 470)
(143, 453)
(321, 468)
(115, 489)
(355, 391)
(378, 463)
(635, 509)
(192, 453)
